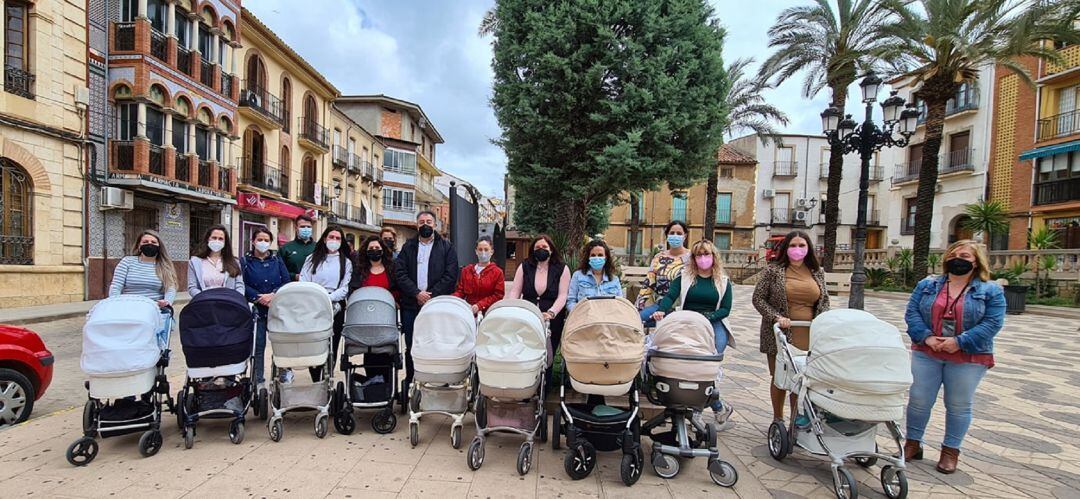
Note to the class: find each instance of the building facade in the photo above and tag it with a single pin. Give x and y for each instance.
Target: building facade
(44, 112)
(354, 177)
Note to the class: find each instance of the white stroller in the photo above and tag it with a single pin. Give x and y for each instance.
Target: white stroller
(854, 378)
(371, 330)
(299, 326)
(125, 361)
(512, 353)
(443, 345)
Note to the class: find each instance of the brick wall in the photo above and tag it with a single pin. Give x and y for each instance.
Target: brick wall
(390, 124)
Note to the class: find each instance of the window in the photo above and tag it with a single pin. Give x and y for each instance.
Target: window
(155, 126)
(129, 9)
(156, 11)
(727, 171)
(337, 137)
(180, 134)
(206, 42)
(400, 161)
(722, 240)
(183, 29)
(17, 77)
(959, 152)
(637, 241)
(724, 215)
(127, 115)
(286, 103)
(1067, 99)
(219, 153)
(16, 209)
(202, 143)
(397, 199)
(909, 216)
(678, 207)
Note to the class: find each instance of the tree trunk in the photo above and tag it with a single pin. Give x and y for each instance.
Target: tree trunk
(710, 203)
(571, 222)
(635, 222)
(832, 192)
(928, 177)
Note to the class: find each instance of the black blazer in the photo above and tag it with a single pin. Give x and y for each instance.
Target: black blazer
(442, 271)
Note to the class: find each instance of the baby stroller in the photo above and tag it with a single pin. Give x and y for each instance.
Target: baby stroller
(512, 352)
(443, 347)
(125, 360)
(602, 349)
(300, 325)
(682, 368)
(371, 327)
(853, 379)
(217, 332)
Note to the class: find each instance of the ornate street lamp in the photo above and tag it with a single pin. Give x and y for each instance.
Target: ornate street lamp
(866, 139)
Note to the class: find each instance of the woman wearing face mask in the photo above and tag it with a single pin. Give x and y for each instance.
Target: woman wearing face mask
(595, 275)
(704, 287)
(148, 272)
(213, 264)
(374, 266)
(791, 288)
(952, 320)
(481, 283)
(665, 267)
(264, 272)
(544, 280)
(329, 267)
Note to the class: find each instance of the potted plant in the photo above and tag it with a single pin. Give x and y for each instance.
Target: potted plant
(1015, 293)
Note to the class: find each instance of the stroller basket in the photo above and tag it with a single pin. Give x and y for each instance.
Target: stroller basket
(368, 390)
(222, 393)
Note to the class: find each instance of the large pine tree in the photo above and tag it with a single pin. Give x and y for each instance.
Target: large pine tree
(598, 97)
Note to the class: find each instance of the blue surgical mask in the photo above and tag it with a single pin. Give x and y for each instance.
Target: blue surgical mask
(675, 240)
(597, 262)
(304, 232)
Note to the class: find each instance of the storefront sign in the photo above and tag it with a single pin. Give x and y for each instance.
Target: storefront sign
(253, 203)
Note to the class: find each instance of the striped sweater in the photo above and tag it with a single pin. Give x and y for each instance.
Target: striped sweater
(135, 277)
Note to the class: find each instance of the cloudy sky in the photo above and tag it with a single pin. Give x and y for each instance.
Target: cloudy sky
(428, 52)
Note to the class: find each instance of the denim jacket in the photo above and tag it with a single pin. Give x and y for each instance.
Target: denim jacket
(984, 313)
(583, 286)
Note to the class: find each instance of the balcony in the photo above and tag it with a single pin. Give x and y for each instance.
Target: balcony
(261, 175)
(365, 169)
(785, 169)
(157, 160)
(224, 180)
(124, 36)
(907, 172)
(873, 217)
(356, 165)
(313, 135)
(206, 74)
(183, 61)
(340, 157)
(377, 176)
(1060, 125)
(158, 47)
(877, 173)
(261, 105)
(123, 155)
(961, 160)
(182, 166)
(19, 82)
(789, 217)
(1057, 191)
(401, 212)
(426, 192)
(966, 99)
(204, 174)
(227, 81)
(823, 169)
(308, 192)
(725, 218)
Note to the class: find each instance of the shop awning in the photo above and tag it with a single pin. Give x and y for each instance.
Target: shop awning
(1041, 152)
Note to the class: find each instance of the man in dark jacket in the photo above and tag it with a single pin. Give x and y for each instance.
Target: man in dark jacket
(295, 252)
(425, 268)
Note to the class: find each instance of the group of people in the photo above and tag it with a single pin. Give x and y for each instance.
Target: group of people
(951, 318)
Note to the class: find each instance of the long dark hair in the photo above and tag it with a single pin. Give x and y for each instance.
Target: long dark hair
(811, 258)
(609, 263)
(554, 259)
(362, 266)
(318, 256)
(228, 261)
(261, 230)
(685, 229)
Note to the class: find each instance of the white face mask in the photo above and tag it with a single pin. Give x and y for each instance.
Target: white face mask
(333, 245)
(215, 245)
(483, 256)
(262, 246)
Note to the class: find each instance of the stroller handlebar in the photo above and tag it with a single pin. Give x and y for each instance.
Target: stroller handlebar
(777, 328)
(679, 356)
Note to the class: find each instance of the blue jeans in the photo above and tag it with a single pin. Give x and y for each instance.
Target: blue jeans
(260, 347)
(646, 315)
(960, 381)
(163, 335)
(720, 333)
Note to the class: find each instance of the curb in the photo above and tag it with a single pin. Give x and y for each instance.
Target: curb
(33, 315)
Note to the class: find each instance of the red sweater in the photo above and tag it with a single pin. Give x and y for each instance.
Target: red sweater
(481, 290)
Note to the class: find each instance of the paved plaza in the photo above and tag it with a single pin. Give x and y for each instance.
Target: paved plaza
(1023, 442)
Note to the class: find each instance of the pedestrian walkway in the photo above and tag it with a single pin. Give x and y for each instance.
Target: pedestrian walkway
(1022, 444)
(42, 313)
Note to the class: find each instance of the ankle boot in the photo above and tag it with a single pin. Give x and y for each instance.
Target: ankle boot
(948, 460)
(912, 450)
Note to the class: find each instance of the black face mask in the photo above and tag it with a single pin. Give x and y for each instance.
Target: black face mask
(389, 244)
(426, 231)
(374, 255)
(542, 255)
(959, 266)
(149, 250)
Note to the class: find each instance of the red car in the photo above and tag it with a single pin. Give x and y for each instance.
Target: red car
(26, 369)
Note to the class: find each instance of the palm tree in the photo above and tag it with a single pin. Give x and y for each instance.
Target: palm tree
(831, 45)
(986, 218)
(939, 45)
(746, 109)
(1041, 239)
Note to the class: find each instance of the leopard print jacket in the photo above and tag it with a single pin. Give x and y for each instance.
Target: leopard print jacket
(770, 300)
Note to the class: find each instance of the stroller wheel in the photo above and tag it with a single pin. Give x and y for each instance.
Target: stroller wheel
(337, 398)
(82, 451)
(630, 468)
(723, 473)
(665, 466)
(189, 437)
(345, 422)
(556, 429)
(263, 404)
(385, 421)
(455, 437)
(276, 429)
(844, 484)
(236, 432)
(779, 441)
(321, 426)
(89, 417)
(524, 461)
(543, 427)
(180, 409)
(894, 482)
(579, 461)
(867, 462)
(150, 443)
(475, 456)
(414, 434)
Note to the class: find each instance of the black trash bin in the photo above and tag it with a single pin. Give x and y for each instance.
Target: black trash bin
(1015, 299)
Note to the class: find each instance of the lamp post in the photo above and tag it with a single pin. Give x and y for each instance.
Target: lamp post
(866, 139)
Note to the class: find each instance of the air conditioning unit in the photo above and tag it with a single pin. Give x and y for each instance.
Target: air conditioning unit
(768, 193)
(800, 216)
(114, 198)
(801, 202)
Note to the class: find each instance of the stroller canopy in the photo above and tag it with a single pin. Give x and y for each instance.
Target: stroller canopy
(445, 330)
(371, 317)
(685, 333)
(216, 328)
(120, 336)
(603, 341)
(513, 331)
(858, 366)
(300, 308)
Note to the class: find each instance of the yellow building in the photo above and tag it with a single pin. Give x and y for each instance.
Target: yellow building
(43, 117)
(734, 229)
(355, 176)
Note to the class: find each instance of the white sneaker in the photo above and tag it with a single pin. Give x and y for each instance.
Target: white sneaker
(723, 417)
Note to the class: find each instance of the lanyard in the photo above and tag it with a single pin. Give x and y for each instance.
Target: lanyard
(950, 309)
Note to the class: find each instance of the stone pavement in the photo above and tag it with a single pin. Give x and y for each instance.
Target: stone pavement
(1022, 443)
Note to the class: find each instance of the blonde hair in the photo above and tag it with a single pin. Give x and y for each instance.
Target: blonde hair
(982, 261)
(690, 270)
(163, 265)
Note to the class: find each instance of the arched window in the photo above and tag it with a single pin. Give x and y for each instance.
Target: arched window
(181, 122)
(311, 110)
(254, 157)
(255, 76)
(286, 102)
(308, 178)
(16, 215)
(202, 134)
(155, 117)
(286, 170)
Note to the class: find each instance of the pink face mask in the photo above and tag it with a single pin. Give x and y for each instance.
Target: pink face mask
(796, 253)
(704, 262)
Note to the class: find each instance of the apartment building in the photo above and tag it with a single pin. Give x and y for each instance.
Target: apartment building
(43, 123)
(354, 177)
